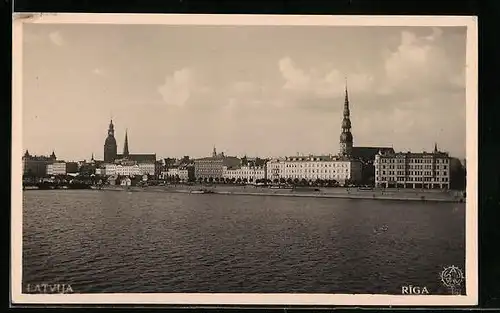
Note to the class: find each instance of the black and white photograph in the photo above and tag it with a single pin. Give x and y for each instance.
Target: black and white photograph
(245, 159)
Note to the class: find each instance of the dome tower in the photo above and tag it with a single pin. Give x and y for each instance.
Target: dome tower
(110, 148)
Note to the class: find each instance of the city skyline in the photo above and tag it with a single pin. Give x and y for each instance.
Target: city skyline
(214, 89)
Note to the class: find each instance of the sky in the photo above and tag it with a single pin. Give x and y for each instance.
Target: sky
(248, 90)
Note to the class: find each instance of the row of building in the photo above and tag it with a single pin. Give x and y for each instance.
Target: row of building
(377, 166)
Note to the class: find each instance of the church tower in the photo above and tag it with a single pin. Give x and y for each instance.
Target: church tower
(110, 145)
(346, 135)
(125, 146)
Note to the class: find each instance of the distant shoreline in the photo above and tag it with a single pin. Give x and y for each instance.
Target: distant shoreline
(339, 193)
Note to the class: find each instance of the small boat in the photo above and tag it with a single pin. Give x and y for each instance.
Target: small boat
(202, 191)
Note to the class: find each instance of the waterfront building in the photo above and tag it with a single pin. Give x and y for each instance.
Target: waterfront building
(312, 168)
(346, 138)
(56, 168)
(125, 181)
(413, 170)
(37, 165)
(275, 169)
(122, 169)
(212, 167)
(244, 173)
(458, 178)
(72, 167)
(110, 149)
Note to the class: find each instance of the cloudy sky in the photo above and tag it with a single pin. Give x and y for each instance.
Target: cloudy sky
(255, 90)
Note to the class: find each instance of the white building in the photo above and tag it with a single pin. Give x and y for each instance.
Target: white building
(56, 168)
(250, 173)
(312, 168)
(147, 168)
(413, 170)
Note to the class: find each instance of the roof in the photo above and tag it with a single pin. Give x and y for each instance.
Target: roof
(216, 158)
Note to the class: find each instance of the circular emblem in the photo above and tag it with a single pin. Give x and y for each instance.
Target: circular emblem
(452, 276)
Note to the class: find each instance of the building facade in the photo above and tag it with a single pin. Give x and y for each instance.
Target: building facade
(346, 139)
(213, 167)
(56, 168)
(413, 170)
(183, 173)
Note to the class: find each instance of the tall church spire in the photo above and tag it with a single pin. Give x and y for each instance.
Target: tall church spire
(125, 145)
(346, 140)
(110, 144)
(214, 153)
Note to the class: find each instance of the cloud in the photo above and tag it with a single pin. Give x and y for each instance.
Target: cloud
(56, 38)
(98, 71)
(178, 87)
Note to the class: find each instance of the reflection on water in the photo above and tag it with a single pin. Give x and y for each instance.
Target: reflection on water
(106, 241)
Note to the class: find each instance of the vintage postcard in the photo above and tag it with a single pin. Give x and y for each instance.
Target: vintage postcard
(244, 160)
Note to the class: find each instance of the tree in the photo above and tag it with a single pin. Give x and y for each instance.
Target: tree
(296, 181)
(238, 181)
(210, 179)
(245, 180)
(200, 179)
(303, 182)
(276, 180)
(282, 180)
(289, 181)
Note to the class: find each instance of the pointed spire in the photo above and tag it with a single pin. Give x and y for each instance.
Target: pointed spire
(125, 145)
(214, 152)
(435, 147)
(346, 101)
(111, 128)
(92, 158)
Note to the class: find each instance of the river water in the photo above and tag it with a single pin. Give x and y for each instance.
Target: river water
(117, 241)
